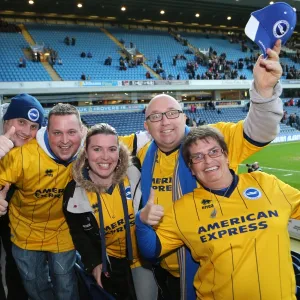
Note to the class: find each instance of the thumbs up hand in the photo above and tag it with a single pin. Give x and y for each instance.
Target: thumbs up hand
(152, 213)
(3, 202)
(5, 141)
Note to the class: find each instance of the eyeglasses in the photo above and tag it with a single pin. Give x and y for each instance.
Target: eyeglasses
(171, 114)
(199, 157)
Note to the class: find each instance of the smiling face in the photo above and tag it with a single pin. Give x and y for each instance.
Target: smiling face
(65, 134)
(167, 133)
(25, 130)
(213, 173)
(102, 154)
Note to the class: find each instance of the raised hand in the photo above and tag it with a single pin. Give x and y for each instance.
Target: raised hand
(3, 202)
(267, 72)
(152, 213)
(5, 141)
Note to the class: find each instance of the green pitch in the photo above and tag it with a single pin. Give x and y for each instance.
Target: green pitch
(281, 160)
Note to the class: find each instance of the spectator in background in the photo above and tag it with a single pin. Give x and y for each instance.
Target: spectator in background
(148, 75)
(193, 108)
(24, 62)
(108, 61)
(158, 59)
(122, 41)
(20, 62)
(59, 62)
(89, 55)
(67, 40)
(34, 57)
(291, 120)
(285, 116)
(254, 167)
(170, 77)
(297, 122)
(174, 61)
(73, 41)
(178, 76)
(211, 105)
(131, 45)
(83, 76)
(83, 55)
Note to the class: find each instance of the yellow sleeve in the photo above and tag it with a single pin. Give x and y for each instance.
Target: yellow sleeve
(11, 166)
(291, 195)
(168, 233)
(129, 141)
(239, 147)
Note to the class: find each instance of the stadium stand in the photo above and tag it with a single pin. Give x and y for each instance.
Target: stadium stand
(88, 39)
(11, 50)
(126, 123)
(150, 43)
(221, 45)
(153, 43)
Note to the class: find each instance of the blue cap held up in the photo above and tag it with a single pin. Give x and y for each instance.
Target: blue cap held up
(274, 22)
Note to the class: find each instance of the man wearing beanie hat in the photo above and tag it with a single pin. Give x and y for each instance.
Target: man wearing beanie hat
(19, 122)
(40, 169)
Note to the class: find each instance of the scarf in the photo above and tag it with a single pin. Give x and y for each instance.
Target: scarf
(183, 182)
(129, 254)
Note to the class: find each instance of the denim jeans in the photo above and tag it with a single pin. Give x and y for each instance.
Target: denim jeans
(47, 275)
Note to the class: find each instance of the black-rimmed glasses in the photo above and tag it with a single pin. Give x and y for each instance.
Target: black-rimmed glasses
(171, 114)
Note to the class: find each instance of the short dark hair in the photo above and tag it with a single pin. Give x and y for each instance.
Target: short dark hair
(202, 133)
(102, 128)
(63, 109)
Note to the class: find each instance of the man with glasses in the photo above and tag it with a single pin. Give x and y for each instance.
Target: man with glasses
(234, 225)
(163, 165)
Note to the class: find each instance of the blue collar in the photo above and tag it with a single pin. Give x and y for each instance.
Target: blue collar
(228, 190)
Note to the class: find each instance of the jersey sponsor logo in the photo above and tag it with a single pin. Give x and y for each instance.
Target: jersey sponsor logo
(234, 226)
(128, 192)
(162, 184)
(49, 193)
(252, 193)
(33, 114)
(49, 173)
(206, 204)
(119, 226)
(280, 28)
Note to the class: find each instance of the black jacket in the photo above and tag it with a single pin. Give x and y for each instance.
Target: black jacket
(84, 230)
